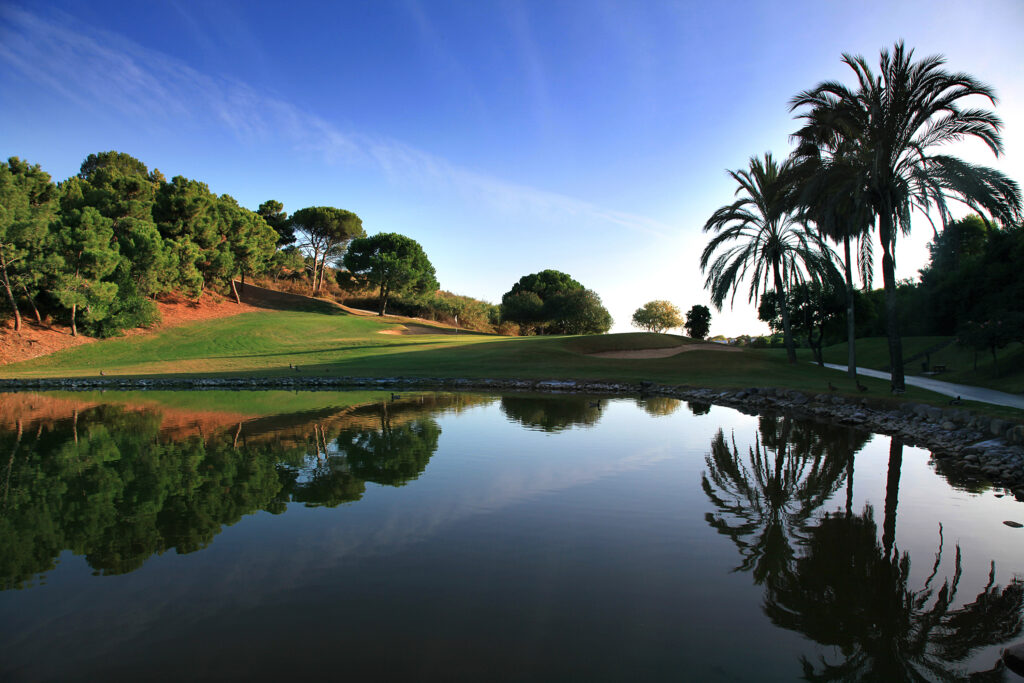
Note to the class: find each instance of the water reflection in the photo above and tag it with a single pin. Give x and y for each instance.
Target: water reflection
(659, 406)
(767, 498)
(112, 484)
(698, 408)
(846, 590)
(830, 578)
(553, 413)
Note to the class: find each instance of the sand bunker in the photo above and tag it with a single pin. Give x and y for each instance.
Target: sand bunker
(417, 329)
(663, 353)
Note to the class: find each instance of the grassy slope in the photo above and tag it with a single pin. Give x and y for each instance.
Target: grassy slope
(326, 341)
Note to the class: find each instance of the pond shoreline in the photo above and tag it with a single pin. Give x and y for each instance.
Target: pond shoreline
(978, 446)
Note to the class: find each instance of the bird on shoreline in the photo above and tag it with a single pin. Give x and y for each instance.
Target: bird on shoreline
(832, 387)
(861, 386)
(954, 401)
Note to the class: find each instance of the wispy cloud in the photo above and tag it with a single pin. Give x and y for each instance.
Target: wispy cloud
(103, 71)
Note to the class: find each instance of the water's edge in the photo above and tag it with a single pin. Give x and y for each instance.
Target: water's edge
(981, 446)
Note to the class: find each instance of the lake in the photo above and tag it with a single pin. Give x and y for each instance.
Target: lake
(443, 536)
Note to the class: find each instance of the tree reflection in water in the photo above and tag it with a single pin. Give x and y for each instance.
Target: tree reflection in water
(847, 591)
(830, 578)
(767, 499)
(553, 414)
(108, 483)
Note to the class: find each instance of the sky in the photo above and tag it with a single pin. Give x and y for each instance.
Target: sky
(586, 136)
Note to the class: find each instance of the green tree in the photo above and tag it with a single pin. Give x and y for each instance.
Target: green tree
(186, 215)
(552, 302)
(87, 253)
(27, 204)
(393, 263)
(324, 231)
(698, 322)
(770, 245)
(657, 316)
(118, 162)
(272, 211)
(895, 121)
(577, 311)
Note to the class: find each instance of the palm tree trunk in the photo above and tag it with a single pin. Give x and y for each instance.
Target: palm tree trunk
(892, 494)
(780, 294)
(891, 320)
(851, 327)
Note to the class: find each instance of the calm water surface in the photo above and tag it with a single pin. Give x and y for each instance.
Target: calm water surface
(467, 537)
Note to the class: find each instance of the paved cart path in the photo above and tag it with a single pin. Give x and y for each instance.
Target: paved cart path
(964, 391)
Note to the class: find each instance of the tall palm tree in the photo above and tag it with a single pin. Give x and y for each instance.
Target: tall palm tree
(893, 122)
(830, 191)
(770, 244)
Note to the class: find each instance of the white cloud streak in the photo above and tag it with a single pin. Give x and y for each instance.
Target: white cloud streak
(103, 71)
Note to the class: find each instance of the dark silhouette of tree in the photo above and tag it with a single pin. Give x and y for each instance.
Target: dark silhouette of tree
(848, 592)
(768, 245)
(698, 322)
(890, 126)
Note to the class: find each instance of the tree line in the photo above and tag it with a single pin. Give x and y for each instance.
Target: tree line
(866, 158)
(98, 248)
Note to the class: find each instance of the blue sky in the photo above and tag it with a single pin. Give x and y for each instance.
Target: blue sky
(506, 137)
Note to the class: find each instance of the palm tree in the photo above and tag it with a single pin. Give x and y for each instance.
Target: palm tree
(830, 191)
(770, 244)
(892, 123)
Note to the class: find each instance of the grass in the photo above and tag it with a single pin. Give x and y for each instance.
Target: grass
(328, 342)
(873, 352)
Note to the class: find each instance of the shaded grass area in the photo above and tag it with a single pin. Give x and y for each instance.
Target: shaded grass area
(332, 343)
(962, 365)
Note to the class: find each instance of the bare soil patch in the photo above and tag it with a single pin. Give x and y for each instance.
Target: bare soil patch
(663, 353)
(36, 340)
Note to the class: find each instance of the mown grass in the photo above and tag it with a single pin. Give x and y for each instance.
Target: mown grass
(328, 343)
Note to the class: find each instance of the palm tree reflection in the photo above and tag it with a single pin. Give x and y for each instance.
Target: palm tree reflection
(848, 592)
(834, 578)
(767, 499)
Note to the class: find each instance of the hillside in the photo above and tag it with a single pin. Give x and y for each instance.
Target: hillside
(35, 340)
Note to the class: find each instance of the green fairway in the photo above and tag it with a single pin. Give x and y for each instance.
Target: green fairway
(329, 342)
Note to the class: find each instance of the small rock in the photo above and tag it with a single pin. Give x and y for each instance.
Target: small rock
(1013, 525)
(948, 425)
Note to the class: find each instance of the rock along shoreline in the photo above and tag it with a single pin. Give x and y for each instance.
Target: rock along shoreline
(977, 446)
